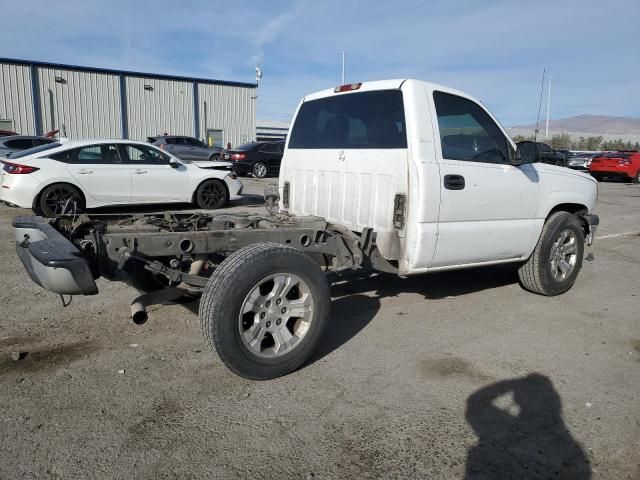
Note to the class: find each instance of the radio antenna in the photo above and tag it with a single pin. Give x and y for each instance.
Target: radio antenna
(535, 133)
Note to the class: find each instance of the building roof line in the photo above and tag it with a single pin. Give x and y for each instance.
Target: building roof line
(111, 71)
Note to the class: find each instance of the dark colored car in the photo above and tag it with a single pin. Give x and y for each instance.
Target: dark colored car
(258, 158)
(622, 164)
(7, 133)
(18, 143)
(551, 155)
(186, 148)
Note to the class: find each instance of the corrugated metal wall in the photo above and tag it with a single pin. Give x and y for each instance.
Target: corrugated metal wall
(82, 104)
(15, 97)
(230, 109)
(168, 107)
(88, 104)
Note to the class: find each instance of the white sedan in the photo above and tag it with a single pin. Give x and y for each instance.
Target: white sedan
(68, 177)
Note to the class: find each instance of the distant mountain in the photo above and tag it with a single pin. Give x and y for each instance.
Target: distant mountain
(610, 128)
(593, 124)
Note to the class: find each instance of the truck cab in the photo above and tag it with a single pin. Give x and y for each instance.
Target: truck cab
(429, 169)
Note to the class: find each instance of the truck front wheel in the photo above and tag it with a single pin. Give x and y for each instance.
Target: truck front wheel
(264, 310)
(556, 261)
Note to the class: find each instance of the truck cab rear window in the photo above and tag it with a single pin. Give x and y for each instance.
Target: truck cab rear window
(355, 120)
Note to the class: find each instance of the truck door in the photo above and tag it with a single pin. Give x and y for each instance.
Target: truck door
(487, 205)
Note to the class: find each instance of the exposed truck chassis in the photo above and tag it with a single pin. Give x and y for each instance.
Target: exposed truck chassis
(177, 250)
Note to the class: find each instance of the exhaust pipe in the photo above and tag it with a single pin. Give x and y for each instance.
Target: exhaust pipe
(139, 313)
(139, 305)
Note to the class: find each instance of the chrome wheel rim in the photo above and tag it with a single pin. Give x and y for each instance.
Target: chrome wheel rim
(276, 315)
(564, 253)
(260, 170)
(211, 194)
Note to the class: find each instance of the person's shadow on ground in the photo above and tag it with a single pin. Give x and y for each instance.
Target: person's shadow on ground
(522, 437)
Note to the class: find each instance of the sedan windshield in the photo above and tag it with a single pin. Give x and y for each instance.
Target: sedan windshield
(31, 151)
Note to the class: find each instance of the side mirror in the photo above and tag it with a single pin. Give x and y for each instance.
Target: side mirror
(173, 163)
(526, 152)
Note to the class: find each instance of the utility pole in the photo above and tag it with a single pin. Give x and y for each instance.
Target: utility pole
(535, 133)
(546, 130)
(342, 53)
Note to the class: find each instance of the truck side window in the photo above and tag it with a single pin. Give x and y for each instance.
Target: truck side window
(467, 132)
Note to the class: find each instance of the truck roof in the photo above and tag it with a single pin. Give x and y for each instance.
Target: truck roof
(388, 85)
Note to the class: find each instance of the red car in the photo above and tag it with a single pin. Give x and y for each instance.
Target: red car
(625, 164)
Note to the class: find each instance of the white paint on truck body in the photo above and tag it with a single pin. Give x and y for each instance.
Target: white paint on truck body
(497, 217)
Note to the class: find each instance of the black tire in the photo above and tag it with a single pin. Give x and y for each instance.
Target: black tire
(211, 194)
(225, 294)
(259, 170)
(636, 179)
(597, 176)
(59, 198)
(537, 274)
(214, 157)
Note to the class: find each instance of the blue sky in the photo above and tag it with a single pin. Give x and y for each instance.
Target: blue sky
(494, 49)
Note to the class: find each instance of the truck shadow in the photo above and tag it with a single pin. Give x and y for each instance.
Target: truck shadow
(356, 297)
(353, 309)
(432, 286)
(521, 433)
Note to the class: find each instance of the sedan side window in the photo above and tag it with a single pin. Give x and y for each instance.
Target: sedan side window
(142, 154)
(267, 148)
(95, 155)
(467, 132)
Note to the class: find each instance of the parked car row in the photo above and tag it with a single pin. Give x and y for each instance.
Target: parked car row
(621, 164)
(256, 158)
(56, 177)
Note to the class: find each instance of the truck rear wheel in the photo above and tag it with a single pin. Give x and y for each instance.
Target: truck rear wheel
(556, 261)
(264, 310)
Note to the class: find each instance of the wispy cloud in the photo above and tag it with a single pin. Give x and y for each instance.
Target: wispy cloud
(495, 49)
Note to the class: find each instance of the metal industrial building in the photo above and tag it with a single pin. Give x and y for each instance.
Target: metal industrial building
(85, 102)
(269, 130)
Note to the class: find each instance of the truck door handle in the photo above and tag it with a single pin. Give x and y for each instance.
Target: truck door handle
(84, 171)
(454, 182)
(139, 171)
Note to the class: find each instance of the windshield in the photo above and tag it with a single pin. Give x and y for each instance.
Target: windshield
(31, 151)
(355, 120)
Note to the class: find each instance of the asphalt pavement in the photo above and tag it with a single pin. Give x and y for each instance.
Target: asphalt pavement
(449, 375)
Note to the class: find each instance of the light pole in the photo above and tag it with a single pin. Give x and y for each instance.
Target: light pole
(342, 53)
(546, 130)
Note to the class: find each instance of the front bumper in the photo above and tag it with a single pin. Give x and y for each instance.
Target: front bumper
(592, 221)
(235, 188)
(51, 260)
(611, 171)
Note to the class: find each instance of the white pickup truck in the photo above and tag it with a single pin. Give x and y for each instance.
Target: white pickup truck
(398, 176)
